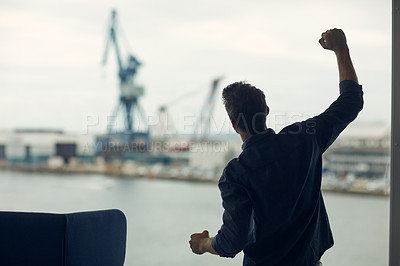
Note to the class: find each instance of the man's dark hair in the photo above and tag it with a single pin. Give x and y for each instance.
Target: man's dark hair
(246, 107)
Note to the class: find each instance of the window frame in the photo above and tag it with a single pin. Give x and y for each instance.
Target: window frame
(394, 233)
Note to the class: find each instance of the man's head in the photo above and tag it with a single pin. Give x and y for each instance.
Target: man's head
(246, 107)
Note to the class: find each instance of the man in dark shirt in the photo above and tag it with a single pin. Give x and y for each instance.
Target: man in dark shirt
(273, 206)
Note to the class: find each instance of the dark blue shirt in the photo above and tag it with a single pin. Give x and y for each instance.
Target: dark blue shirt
(271, 193)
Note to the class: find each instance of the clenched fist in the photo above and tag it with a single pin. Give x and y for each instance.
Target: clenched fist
(197, 242)
(334, 40)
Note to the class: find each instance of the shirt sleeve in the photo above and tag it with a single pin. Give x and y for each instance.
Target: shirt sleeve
(233, 235)
(327, 126)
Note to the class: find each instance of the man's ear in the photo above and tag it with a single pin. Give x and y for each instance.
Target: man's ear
(267, 112)
(234, 126)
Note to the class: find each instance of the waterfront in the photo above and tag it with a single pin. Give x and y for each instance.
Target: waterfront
(163, 213)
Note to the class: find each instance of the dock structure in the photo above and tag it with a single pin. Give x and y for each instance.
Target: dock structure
(359, 160)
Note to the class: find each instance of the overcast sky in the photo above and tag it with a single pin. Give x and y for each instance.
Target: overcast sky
(50, 54)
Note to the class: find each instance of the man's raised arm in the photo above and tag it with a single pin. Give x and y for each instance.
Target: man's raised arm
(345, 109)
(335, 40)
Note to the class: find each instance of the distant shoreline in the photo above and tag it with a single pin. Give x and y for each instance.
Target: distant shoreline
(116, 170)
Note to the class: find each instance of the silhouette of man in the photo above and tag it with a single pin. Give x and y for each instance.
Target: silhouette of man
(271, 194)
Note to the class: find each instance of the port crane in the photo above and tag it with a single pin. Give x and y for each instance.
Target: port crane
(135, 125)
(165, 131)
(203, 123)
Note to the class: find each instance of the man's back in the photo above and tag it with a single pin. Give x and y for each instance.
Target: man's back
(281, 175)
(277, 178)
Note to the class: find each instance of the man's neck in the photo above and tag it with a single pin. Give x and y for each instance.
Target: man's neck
(244, 136)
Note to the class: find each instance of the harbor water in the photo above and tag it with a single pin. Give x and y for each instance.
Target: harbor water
(163, 213)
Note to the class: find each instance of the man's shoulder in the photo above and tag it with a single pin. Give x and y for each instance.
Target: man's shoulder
(302, 129)
(234, 166)
(234, 169)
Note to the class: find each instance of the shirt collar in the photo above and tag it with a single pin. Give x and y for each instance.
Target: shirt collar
(255, 138)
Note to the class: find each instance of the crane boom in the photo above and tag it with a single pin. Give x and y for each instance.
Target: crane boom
(112, 38)
(203, 123)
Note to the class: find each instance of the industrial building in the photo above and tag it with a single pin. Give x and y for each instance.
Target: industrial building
(37, 146)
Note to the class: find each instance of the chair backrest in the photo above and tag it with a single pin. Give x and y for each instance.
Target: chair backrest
(83, 238)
